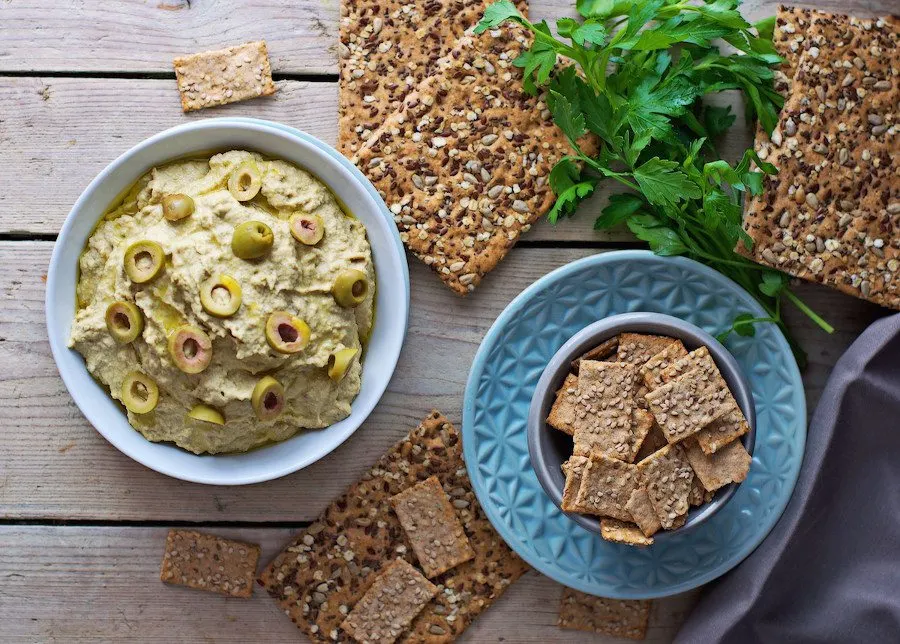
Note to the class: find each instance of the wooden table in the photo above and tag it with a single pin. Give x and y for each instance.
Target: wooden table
(81, 525)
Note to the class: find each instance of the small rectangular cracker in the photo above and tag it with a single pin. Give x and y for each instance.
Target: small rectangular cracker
(224, 76)
(722, 431)
(651, 371)
(602, 351)
(686, 405)
(638, 348)
(604, 410)
(562, 413)
(623, 532)
(432, 527)
(730, 464)
(626, 618)
(606, 485)
(397, 595)
(667, 476)
(207, 562)
(643, 512)
(574, 470)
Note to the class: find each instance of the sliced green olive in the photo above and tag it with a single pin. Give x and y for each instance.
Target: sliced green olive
(251, 239)
(177, 206)
(268, 398)
(139, 393)
(244, 181)
(124, 321)
(339, 362)
(307, 229)
(144, 260)
(220, 295)
(206, 414)
(350, 287)
(286, 333)
(190, 348)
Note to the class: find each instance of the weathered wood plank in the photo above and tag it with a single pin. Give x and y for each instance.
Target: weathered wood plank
(80, 584)
(54, 465)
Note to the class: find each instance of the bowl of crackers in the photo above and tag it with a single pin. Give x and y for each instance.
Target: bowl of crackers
(641, 427)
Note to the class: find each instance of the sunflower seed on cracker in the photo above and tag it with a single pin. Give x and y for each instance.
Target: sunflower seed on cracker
(651, 371)
(686, 405)
(722, 431)
(224, 76)
(638, 348)
(604, 410)
(210, 563)
(627, 618)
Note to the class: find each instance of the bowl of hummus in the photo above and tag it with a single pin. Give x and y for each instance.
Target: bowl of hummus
(226, 302)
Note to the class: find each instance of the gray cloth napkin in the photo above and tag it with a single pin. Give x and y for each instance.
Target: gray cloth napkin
(830, 570)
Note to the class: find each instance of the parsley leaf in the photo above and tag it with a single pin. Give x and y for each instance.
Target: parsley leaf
(570, 188)
(664, 183)
(496, 14)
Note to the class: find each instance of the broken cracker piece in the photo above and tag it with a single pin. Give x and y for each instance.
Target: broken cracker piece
(729, 464)
(574, 470)
(667, 475)
(638, 348)
(398, 594)
(562, 413)
(434, 531)
(604, 410)
(651, 371)
(627, 618)
(224, 76)
(686, 405)
(643, 512)
(623, 532)
(606, 485)
(207, 562)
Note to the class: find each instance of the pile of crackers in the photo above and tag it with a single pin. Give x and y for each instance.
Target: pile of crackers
(831, 213)
(655, 431)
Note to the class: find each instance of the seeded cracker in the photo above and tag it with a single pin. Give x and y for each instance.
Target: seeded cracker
(830, 215)
(623, 532)
(643, 512)
(626, 618)
(650, 372)
(638, 348)
(210, 563)
(463, 165)
(603, 351)
(606, 485)
(326, 569)
(684, 406)
(574, 470)
(604, 410)
(398, 594)
(722, 431)
(562, 413)
(225, 76)
(432, 527)
(728, 465)
(667, 476)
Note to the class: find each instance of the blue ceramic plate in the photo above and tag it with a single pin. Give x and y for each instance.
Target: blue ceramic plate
(510, 362)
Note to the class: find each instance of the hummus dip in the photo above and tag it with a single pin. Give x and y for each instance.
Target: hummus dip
(248, 336)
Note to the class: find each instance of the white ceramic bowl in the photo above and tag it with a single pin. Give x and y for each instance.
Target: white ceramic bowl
(392, 303)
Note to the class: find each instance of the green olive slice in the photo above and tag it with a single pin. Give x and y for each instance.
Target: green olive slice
(251, 239)
(286, 333)
(350, 287)
(339, 362)
(190, 349)
(144, 260)
(244, 181)
(124, 321)
(220, 295)
(139, 393)
(307, 229)
(268, 398)
(206, 414)
(177, 206)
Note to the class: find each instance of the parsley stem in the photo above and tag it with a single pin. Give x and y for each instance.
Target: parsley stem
(815, 317)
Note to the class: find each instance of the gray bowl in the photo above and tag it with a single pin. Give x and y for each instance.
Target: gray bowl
(549, 448)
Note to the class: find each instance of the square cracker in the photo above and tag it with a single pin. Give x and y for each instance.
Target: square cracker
(330, 564)
(667, 477)
(627, 618)
(623, 532)
(604, 410)
(432, 527)
(642, 512)
(224, 76)
(562, 413)
(574, 470)
(463, 163)
(730, 464)
(651, 372)
(686, 405)
(830, 215)
(722, 431)
(606, 485)
(211, 563)
(397, 595)
(638, 348)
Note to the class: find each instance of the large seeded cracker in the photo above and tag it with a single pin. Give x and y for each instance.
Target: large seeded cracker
(328, 566)
(603, 351)
(604, 410)
(627, 618)
(667, 477)
(684, 406)
(574, 470)
(830, 215)
(207, 562)
(729, 464)
(397, 595)
(463, 164)
(623, 532)
(606, 485)
(224, 76)
(562, 413)
(432, 527)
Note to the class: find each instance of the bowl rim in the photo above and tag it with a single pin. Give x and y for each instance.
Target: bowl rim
(310, 145)
(590, 336)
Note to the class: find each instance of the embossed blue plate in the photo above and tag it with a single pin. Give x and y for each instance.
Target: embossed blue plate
(498, 394)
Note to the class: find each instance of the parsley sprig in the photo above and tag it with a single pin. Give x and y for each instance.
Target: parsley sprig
(636, 76)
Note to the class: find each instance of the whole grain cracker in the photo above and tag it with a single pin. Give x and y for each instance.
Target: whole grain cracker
(224, 76)
(830, 214)
(210, 563)
(606, 485)
(686, 405)
(651, 371)
(562, 413)
(604, 410)
(667, 476)
(638, 348)
(574, 470)
(722, 431)
(397, 595)
(730, 464)
(642, 512)
(432, 527)
(328, 566)
(623, 532)
(627, 618)
(602, 351)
